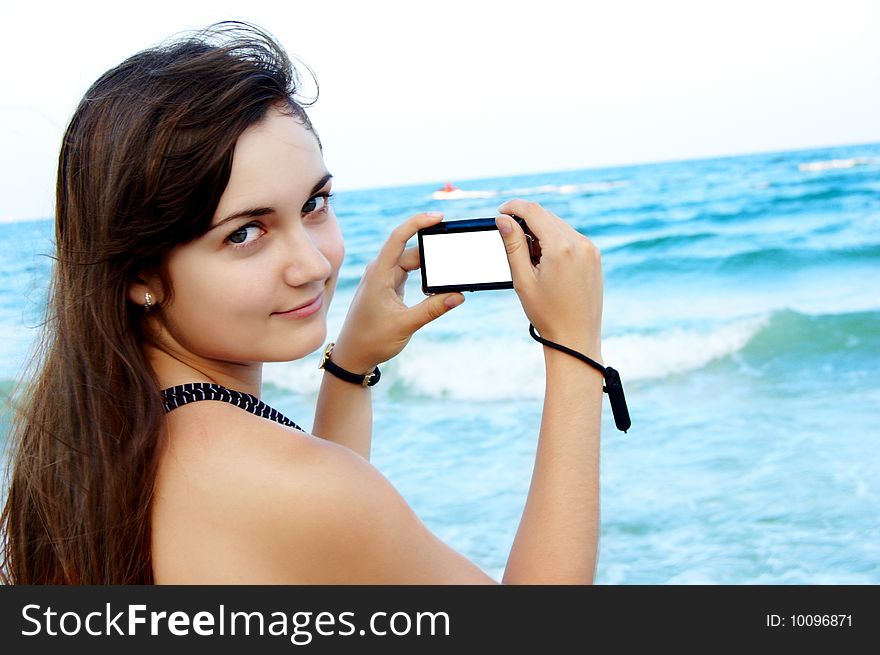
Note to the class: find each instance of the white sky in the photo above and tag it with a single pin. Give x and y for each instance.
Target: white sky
(450, 90)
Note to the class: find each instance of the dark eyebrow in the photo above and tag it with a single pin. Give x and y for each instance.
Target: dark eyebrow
(263, 211)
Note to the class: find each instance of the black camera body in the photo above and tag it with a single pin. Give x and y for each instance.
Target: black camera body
(468, 255)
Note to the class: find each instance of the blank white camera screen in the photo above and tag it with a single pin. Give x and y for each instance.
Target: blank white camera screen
(465, 258)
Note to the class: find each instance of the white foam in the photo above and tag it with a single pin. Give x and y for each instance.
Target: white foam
(301, 376)
(511, 367)
(565, 189)
(460, 194)
(476, 369)
(562, 189)
(832, 164)
(651, 356)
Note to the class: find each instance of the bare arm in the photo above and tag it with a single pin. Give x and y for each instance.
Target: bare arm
(558, 534)
(344, 412)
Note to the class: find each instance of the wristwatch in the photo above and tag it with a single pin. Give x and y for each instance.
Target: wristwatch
(348, 376)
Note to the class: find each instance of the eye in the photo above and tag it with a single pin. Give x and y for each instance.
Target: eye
(239, 238)
(319, 203)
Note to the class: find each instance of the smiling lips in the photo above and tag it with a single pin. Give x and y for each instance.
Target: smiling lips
(304, 310)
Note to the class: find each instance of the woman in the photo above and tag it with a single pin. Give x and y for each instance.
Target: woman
(195, 241)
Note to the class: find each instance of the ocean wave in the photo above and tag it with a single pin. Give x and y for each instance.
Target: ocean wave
(623, 228)
(789, 332)
(829, 193)
(512, 367)
(640, 209)
(627, 221)
(651, 243)
(679, 350)
(771, 259)
(787, 204)
(794, 258)
(786, 199)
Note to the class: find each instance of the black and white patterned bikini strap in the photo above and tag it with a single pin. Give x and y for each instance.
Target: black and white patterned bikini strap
(183, 394)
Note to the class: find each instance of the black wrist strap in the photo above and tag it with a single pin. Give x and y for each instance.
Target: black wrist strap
(354, 378)
(613, 387)
(363, 380)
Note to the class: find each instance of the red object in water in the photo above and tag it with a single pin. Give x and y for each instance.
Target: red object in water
(448, 187)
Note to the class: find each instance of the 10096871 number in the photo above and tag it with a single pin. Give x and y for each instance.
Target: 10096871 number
(821, 620)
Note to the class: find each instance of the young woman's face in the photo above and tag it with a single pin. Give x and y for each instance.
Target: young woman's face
(273, 245)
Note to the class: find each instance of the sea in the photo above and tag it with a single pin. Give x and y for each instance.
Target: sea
(742, 310)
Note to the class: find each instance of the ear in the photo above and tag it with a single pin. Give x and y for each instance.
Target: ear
(141, 286)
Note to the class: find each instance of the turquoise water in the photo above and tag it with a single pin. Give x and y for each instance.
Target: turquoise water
(742, 310)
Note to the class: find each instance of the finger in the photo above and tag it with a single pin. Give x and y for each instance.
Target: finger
(410, 259)
(544, 225)
(432, 308)
(517, 248)
(393, 248)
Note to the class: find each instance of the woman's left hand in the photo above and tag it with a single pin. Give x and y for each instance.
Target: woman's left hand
(378, 324)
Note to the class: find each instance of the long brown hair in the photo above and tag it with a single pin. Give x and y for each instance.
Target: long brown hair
(142, 167)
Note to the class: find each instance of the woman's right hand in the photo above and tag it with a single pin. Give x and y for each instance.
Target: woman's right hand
(562, 294)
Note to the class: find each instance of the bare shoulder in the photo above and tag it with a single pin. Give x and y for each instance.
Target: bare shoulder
(243, 499)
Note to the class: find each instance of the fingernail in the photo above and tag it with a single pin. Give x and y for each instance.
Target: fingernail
(434, 214)
(454, 301)
(504, 225)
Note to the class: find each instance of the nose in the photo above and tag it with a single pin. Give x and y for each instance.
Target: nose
(303, 260)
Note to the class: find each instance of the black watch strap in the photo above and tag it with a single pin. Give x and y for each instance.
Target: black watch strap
(348, 376)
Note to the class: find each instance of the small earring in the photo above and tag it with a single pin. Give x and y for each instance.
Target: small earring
(148, 301)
